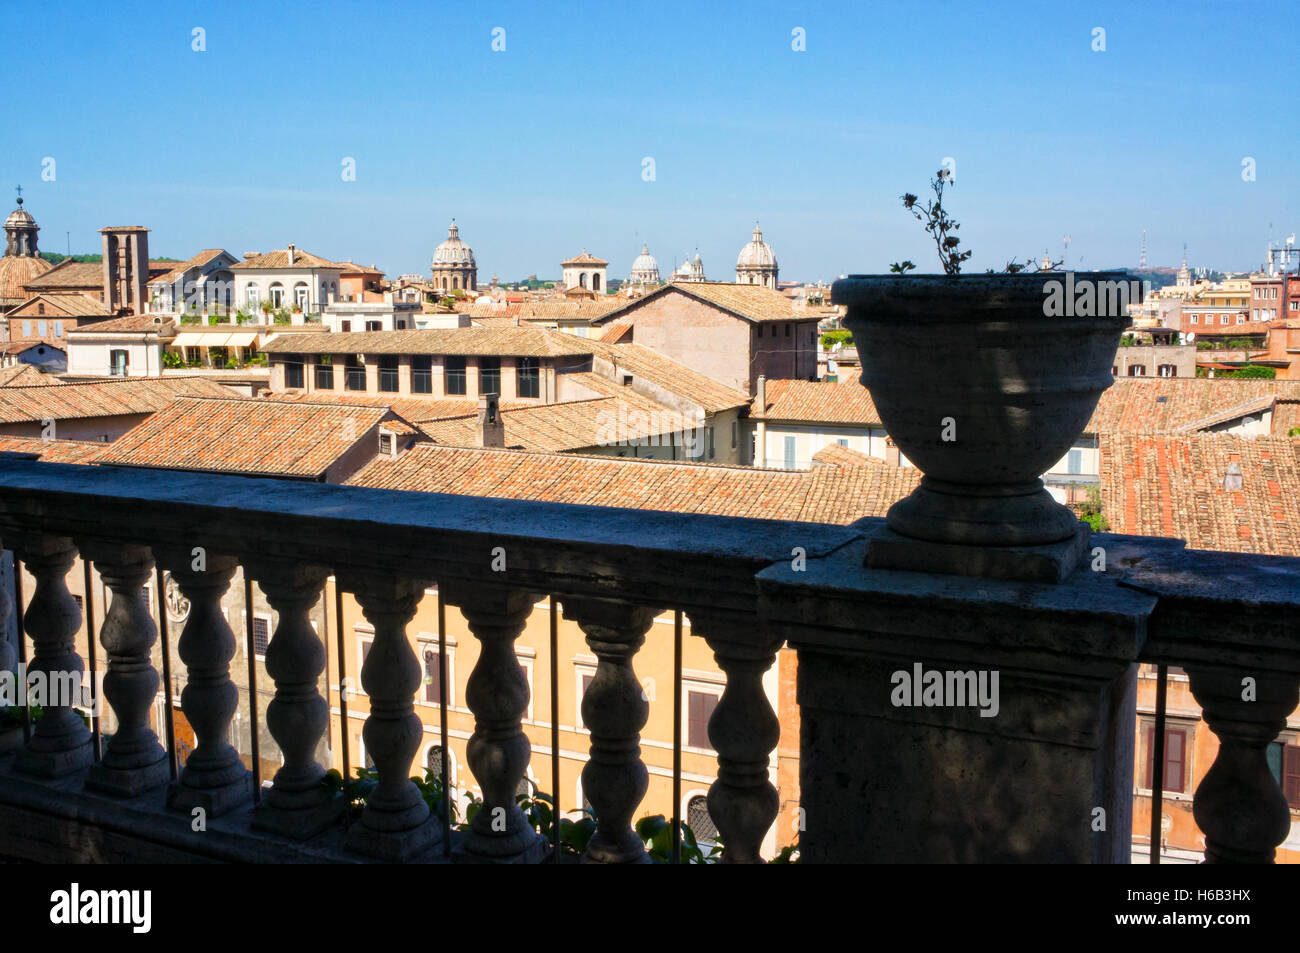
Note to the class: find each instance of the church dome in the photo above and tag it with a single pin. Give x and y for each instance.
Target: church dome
(756, 254)
(20, 217)
(454, 252)
(645, 268)
(16, 271)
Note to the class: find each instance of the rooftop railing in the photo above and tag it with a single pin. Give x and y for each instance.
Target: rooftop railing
(1043, 772)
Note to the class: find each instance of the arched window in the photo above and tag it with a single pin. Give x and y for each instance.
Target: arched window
(525, 788)
(277, 295)
(434, 762)
(444, 284)
(595, 282)
(697, 816)
(582, 279)
(300, 295)
(455, 282)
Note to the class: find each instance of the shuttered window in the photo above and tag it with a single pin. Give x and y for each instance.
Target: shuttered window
(699, 709)
(1176, 740)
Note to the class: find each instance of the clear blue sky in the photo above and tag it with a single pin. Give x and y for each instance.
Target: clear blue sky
(537, 151)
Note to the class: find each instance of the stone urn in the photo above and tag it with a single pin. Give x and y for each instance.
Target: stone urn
(984, 382)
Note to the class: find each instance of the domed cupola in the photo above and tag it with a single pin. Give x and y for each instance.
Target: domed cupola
(453, 263)
(756, 263)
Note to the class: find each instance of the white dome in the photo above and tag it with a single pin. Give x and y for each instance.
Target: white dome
(645, 268)
(453, 251)
(757, 254)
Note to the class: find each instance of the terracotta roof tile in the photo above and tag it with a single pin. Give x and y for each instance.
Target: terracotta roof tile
(844, 402)
(750, 302)
(827, 495)
(25, 375)
(279, 260)
(1173, 485)
(52, 451)
(1169, 404)
(244, 435)
(515, 342)
(110, 398)
(664, 372)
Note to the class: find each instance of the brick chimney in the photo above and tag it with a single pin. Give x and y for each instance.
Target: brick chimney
(760, 393)
(291, 250)
(892, 455)
(491, 428)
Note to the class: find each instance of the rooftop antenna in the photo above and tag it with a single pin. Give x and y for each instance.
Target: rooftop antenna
(1142, 262)
(1067, 253)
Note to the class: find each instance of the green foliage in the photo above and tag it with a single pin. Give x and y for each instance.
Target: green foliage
(901, 267)
(539, 810)
(173, 359)
(1205, 345)
(1090, 511)
(1253, 371)
(1127, 341)
(1293, 432)
(831, 338)
(1240, 344)
(189, 319)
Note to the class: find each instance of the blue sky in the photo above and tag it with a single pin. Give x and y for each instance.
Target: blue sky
(538, 150)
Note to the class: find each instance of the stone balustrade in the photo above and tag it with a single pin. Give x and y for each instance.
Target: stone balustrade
(885, 775)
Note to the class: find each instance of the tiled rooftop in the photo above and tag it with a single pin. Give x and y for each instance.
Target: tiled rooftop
(511, 342)
(52, 451)
(1173, 485)
(846, 402)
(750, 302)
(1166, 405)
(835, 455)
(24, 375)
(664, 372)
(131, 322)
(106, 398)
(198, 261)
(572, 425)
(279, 259)
(826, 495)
(244, 435)
(76, 303)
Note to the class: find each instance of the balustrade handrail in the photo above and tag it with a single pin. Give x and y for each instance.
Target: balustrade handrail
(689, 561)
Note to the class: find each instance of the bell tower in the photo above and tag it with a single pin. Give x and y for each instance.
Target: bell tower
(126, 268)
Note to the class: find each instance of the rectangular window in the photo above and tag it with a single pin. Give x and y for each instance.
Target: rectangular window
(345, 326)
(1175, 758)
(433, 678)
(735, 434)
(699, 709)
(356, 374)
(118, 362)
(455, 371)
(261, 634)
(388, 373)
(325, 372)
(1291, 775)
(711, 448)
(40, 327)
(843, 441)
(489, 375)
(293, 370)
(789, 453)
(1194, 319)
(1074, 461)
(422, 375)
(528, 378)
(27, 329)
(58, 329)
(374, 325)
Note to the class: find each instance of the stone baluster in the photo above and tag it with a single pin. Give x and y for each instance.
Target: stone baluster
(11, 733)
(213, 778)
(134, 761)
(614, 709)
(60, 741)
(1238, 804)
(743, 802)
(396, 824)
(499, 751)
(298, 804)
